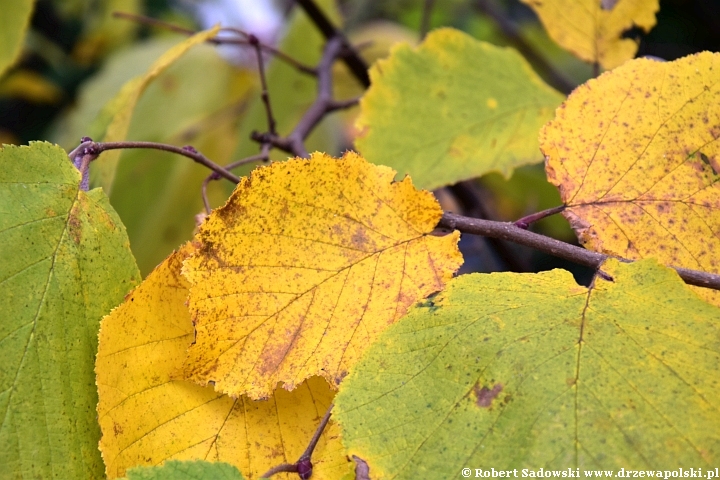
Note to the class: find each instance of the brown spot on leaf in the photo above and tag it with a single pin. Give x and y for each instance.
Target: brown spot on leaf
(485, 396)
(74, 226)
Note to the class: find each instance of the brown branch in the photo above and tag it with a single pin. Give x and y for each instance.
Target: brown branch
(303, 467)
(94, 149)
(508, 231)
(264, 94)
(324, 103)
(352, 59)
(527, 220)
(467, 193)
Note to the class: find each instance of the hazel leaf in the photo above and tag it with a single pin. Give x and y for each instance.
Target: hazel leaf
(303, 267)
(636, 157)
(453, 108)
(148, 414)
(594, 30)
(64, 263)
(528, 370)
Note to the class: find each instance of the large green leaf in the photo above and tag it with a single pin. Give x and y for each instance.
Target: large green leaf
(452, 109)
(192, 470)
(14, 23)
(531, 370)
(65, 263)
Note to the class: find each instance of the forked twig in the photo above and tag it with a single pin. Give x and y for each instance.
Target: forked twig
(303, 466)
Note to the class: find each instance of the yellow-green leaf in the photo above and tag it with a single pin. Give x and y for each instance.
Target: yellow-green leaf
(14, 23)
(531, 370)
(452, 109)
(149, 414)
(183, 106)
(304, 266)
(118, 112)
(636, 156)
(593, 29)
(65, 261)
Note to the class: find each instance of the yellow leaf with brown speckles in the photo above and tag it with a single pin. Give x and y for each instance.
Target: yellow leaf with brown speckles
(593, 29)
(636, 156)
(148, 414)
(304, 266)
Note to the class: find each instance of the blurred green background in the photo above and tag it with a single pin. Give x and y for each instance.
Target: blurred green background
(76, 56)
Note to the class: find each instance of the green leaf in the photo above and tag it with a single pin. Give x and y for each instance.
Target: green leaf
(65, 263)
(183, 106)
(452, 109)
(14, 22)
(510, 370)
(195, 470)
(291, 92)
(98, 90)
(117, 113)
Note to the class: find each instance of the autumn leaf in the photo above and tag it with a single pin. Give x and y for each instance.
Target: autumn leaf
(115, 117)
(197, 470)
(64, 263)
(303, 267)
(594, 29)
(636, 157)
(531, 370)
(148, 414)
(452, 109)
(14, 23)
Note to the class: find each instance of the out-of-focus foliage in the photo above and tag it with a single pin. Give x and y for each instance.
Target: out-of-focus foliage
(13, 25)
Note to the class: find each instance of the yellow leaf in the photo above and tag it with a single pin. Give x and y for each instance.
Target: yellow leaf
(120, 109)
(304, 266)
(148, 415)
(593, 29)
(636, 156)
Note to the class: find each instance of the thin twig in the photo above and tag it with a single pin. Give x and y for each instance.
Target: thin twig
(263, 156)
(527, 220)
(324, 103)
(473, 205)
(303, 466)
(512, 32)
(285, 467)
(508, 231)
(255, 42)
(216, 41)
(318, 432)
(352, 59)
(426, 14)
(88, 147)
